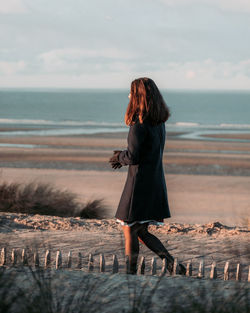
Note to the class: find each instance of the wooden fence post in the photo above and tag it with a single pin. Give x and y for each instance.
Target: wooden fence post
(69, 262)
(238, 272)
(58, 259)
(201, 272)
(3, 256)
(226, 271)
(91, 263)
(79, 260)
(47, 259)
(24, 257)
(102, 263)
(141, 267)
(36, 259)
(164, 267)
(13, 257)
(189, 268)
(175, 267)
(213, 273)
(153, 266)
(115, 265)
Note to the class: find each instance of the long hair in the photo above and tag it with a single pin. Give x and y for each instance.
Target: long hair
(146, 103)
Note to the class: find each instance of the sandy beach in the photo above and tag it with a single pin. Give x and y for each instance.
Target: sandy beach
(207, 181)
(208, 187)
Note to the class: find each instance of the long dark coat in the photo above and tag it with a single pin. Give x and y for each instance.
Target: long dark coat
(145, 194)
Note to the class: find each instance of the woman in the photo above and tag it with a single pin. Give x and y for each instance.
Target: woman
(144, 199)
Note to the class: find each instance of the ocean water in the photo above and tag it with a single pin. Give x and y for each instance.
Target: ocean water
(70, 112)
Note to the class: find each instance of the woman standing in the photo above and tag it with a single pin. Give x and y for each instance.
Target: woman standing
(144, 199)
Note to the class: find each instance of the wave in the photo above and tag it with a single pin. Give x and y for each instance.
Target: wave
(113, 125)
(235, 125)
(187, 124)
(208, 126)
(62, 132)
(59, 123)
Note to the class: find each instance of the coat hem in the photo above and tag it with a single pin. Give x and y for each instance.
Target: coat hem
(151, 222)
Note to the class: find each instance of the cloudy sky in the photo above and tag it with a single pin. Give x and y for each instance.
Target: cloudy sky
(190, 44)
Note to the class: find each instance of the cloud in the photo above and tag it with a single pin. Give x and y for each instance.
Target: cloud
(72, 53)
(12, 7)
(10, 68)
(190, 74)
(207, 74)
(77, 60)
(224, 70)
(232, 5)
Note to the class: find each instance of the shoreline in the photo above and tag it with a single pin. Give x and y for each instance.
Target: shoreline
(92, 152)
(213, 134)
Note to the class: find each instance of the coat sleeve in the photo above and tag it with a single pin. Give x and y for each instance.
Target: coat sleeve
(136, 137)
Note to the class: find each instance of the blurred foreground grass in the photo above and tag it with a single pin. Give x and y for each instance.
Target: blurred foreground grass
(29, 290)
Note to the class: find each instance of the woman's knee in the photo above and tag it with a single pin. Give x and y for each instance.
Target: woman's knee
(129, 231)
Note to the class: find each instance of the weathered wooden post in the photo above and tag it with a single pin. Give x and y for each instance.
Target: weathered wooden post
(24, 257)
(175, 267)
(91, 263)
(153, 266)
(47, 259)
(189, 268)
(13, 257)
(226, 271)
(69, 262)
(58, 259)
(201, 272)
(115, 265)
(3, 256)
(213, 273)
(102, 263)
(36, 259)
(238, 272)
(79, 260)
(164, 267)
(141, 267)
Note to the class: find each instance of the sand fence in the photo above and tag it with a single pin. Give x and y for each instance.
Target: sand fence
(57, 262)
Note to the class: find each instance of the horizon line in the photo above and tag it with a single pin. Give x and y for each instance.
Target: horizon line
(122, 88)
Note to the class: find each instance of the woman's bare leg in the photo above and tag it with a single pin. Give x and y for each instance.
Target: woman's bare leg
(131, 246)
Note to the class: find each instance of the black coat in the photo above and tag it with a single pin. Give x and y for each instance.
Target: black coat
(145, 194)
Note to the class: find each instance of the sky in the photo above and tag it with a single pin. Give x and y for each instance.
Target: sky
(181, 44)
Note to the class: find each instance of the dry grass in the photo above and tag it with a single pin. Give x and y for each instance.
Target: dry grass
(45, 199)
(36, 290)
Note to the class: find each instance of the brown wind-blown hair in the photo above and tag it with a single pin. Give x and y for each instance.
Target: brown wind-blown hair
(146, 103)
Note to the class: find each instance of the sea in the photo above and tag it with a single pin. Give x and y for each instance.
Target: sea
(57, 112)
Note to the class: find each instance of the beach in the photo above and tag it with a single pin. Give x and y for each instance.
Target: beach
(208, 189)
(207, 181)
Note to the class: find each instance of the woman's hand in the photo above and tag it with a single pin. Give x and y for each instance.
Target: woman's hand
(114, 160)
